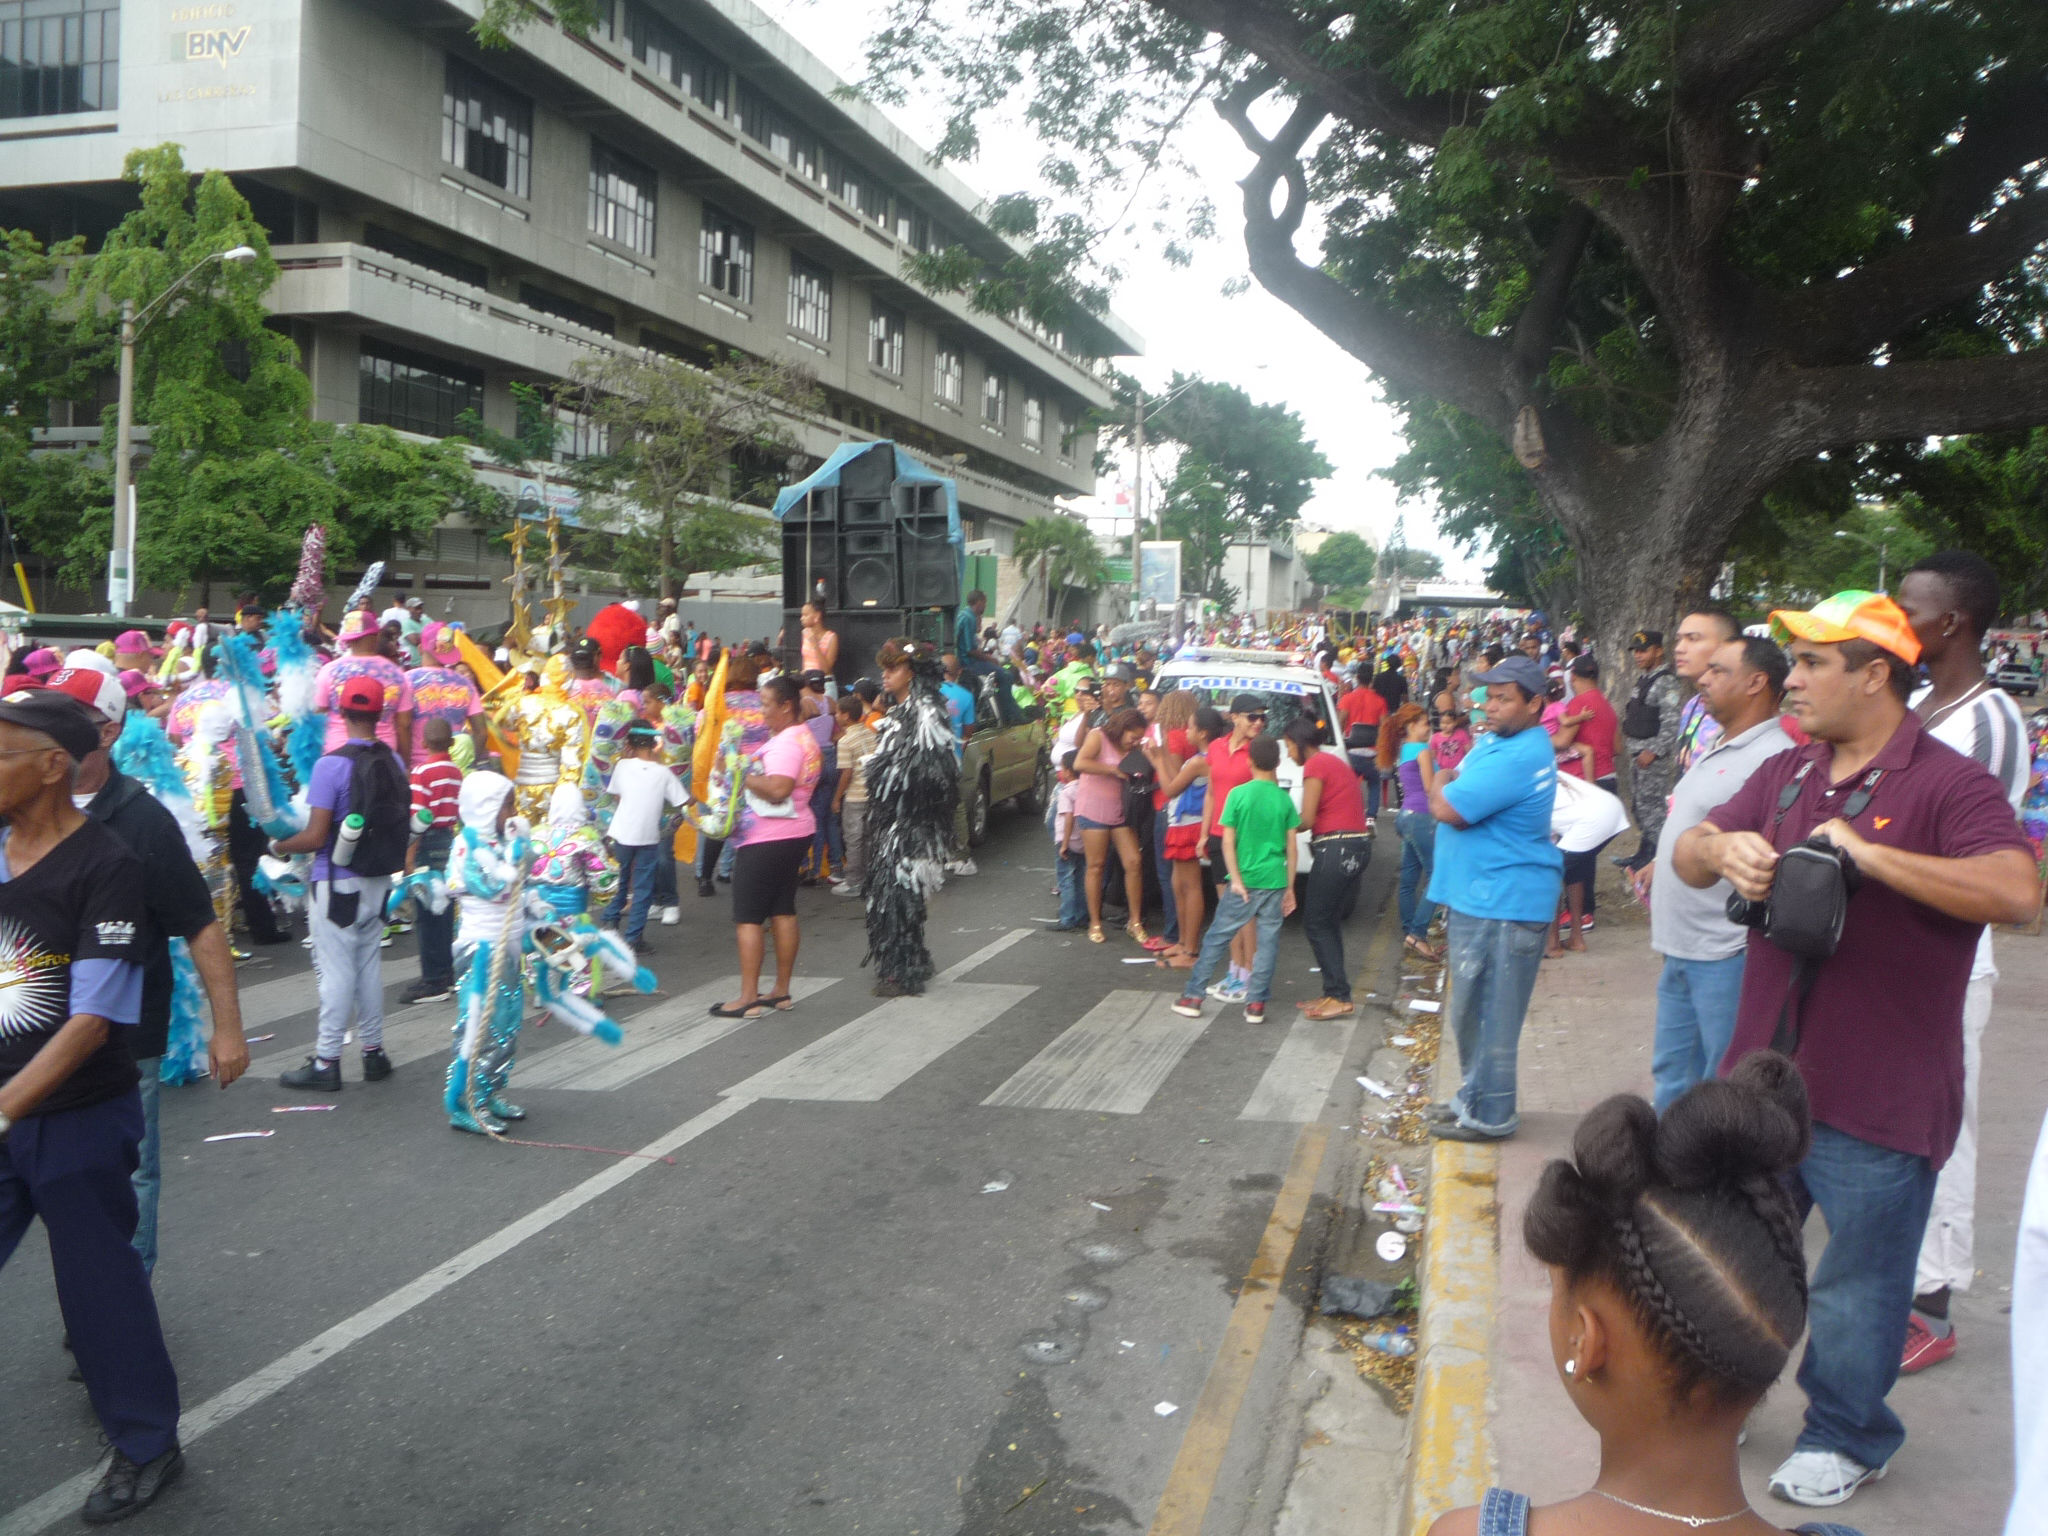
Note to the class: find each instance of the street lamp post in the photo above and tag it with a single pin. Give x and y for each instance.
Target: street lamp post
(121, 558)
(1882, 544)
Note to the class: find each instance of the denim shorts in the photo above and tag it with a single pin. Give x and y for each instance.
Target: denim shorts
(1096, 826)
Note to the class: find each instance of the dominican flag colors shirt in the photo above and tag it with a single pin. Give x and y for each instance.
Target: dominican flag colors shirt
(71, 940)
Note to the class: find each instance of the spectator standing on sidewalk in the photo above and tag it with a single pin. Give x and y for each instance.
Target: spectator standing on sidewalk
(644, 787)
(1951, 599)
(1333, 814)
(71, 903)
(1743, 687)
(1404, 748)
(1878, 1035)
(436, 786)
(1650, 727)
(1700, 634)
(850, 795)
(1499, 874)
(176, 905)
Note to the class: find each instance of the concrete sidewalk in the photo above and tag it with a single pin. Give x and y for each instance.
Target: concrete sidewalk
(1588, 1036)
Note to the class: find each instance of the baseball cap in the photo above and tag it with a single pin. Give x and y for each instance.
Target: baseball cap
(132, 640)
(135, 684)
(1524, 671)
(415, 602)
(1587, 665)
(95, 690)
(57, 715)
(1852, 615)
(814, 678)
(356, 624)
(1247, 704)
(92, 659)
(41, 662)
(1121, 671)
(360, 695)
(1076, 638)
(1643, 639)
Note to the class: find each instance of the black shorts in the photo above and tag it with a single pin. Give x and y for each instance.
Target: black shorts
(764, 879)
(1214, 849)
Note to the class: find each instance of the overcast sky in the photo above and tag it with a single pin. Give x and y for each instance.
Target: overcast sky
(1184, 315)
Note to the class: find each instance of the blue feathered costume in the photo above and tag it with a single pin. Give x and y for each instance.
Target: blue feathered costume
(913, 790)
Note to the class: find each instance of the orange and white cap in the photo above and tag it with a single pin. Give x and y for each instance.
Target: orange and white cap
(1851, 616)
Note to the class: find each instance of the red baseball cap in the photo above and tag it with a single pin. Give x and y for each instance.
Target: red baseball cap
(95, 690)
(360, 695)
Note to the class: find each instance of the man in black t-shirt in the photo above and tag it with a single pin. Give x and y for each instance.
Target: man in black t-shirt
(71, 920)
(177, 905)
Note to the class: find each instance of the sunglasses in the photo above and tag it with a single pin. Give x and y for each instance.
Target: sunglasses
(1260, 716)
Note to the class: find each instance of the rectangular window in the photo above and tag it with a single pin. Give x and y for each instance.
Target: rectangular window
(567, 308)
(664, 51)
(486, 130)
(750, 112)
(414, 392)
(579, 435)
(995, 400)
(949, 374)
(885, 339)
(59, 56)
(725, 256)
(604, 26)
(621, 199)
(1063, 431)
(810, 299)
(1034, 422)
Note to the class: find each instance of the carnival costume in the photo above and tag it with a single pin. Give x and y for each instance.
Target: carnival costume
(570, 865)
(504, 924)
(913, 778)
(146, 755)
(551, 730)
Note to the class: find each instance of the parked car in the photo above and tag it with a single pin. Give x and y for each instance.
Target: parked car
(2020, 678)
(1005, 757)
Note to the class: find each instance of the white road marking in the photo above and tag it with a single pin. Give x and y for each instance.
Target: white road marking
(886, 1047)
(63, 1501)
(281, 998)
(1298, 1079)
(410, 1034)
(1111, 1060)
(656, 1037)
(983, 955)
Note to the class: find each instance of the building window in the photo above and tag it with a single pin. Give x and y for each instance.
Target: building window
(1063, 434)
(604, 25)
(415, 392)
(420, 254)
(1034, 422)
(579, 435)
(725, 256)
(550, 303)
(59, 56)
(810, 299)
(486, 130)
(995, 400)
(621, 199)
(949, 374)
(885, 339)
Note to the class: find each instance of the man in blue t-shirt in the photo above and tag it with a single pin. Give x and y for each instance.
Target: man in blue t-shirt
(959, 702)
(1498, 874)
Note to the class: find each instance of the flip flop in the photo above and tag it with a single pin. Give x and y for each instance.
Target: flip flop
(752, 1010)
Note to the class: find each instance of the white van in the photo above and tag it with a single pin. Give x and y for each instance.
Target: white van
(1285, 682)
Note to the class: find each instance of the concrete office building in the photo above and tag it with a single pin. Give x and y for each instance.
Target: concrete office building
(450, 221)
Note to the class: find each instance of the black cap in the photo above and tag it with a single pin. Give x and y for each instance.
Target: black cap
(814, 678)
(57, 715)
(1120, 672)
(1247, 704)
(1587, 665)
(1643, 639)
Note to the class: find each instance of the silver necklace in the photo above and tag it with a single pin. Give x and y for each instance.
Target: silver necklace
(1982, 685)
(1695, 1521)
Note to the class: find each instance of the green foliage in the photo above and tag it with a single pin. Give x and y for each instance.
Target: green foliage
(1343, 561)
(668, 491)
(1988, 494)
(1412, 564)
(1060, 553)
(1811, 558)
(502, 20)
(1265, 461)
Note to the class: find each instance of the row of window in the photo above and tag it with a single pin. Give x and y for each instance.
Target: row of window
(59, 56)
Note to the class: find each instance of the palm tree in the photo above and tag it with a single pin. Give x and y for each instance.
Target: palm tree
(1067, 556)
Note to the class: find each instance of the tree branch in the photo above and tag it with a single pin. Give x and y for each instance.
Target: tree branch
(1724, 57)
(1821, 408)
(2010, 130)
(1539, 318)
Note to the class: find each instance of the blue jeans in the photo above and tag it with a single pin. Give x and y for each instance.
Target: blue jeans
(636, 888)
(665, 869)
(1232, 913)
(1369, 777)
(1493, 971)
(1875, 1201)
(826, 842)
(437, 933)
(1162, 866)
(1418, 859)
(1695, 1021)
(1073, 871)
(148, 1177)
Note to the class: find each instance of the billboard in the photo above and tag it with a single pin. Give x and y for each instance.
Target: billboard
(1159, 571)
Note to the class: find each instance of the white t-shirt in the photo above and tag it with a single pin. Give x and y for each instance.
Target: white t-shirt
(1987, 728)
(643, 787)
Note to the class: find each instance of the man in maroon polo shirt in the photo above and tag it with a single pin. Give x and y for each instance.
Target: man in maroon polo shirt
(1880, 1033)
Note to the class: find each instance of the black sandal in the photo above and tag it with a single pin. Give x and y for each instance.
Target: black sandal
(752, 1010)
(782, 1002)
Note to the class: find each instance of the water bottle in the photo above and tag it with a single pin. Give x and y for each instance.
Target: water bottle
(345, 843)
(422, 818)
(1398, 1342)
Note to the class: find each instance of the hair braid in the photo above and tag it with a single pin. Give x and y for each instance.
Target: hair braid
(1664, 1312)
(1768, 1200)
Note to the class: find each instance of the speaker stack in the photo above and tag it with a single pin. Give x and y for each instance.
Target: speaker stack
(874, 555)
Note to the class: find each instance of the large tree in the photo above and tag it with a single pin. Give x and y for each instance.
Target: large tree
(1343, 561)
(1666, 252)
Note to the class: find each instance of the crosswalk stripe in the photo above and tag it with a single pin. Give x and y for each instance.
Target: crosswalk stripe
(1111, 1060)
(270, 1001)
(885, 1047)
(1298, 1078)
(656, 1037)
(417, 1033)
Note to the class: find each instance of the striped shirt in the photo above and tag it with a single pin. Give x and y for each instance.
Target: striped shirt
(435, 784)
(1988, 728)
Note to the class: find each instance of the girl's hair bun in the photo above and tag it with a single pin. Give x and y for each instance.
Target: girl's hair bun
(1615, 1149)
(1729, 1131)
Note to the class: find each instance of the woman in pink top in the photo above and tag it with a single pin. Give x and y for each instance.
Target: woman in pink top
(1099, 813)
(775, 828)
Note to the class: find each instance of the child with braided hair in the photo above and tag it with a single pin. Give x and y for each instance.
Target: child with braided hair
(1678, 1289)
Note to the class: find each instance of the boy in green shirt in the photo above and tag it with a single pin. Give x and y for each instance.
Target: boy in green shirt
(1258, 820)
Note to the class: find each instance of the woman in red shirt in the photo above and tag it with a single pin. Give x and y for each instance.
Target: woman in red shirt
(1333, 813)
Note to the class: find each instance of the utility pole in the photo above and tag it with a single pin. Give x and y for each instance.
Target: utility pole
(1138, 500)
(121, 560)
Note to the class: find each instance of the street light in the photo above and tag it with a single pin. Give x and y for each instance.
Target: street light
(1881, 544)
(121, 558)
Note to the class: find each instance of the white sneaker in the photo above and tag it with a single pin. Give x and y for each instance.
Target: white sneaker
(962, 867)
(846, 888)
(1818, 1478)
(670, 916)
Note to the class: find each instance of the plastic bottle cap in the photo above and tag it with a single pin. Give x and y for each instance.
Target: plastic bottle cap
(353, 822)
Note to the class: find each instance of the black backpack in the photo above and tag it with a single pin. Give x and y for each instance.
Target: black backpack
(379, 792)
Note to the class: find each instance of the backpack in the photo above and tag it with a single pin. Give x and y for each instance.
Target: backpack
(379, 792)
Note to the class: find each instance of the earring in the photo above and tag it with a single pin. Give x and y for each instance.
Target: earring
(1571, 1367)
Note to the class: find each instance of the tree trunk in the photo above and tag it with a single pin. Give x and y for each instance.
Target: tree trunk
(668, 554)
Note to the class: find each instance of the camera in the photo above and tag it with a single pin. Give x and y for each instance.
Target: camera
(1809, 900)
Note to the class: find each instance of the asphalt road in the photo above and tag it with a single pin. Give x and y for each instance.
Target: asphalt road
(813, 1319)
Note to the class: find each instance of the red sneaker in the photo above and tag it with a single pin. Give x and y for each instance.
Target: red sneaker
(1923, 1348)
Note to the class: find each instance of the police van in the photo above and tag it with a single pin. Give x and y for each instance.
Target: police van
(1285, 682)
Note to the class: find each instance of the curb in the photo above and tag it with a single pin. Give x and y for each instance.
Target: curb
(1451, 1454)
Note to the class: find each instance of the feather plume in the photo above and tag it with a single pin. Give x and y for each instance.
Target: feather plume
(372, 579)
(309, 588)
